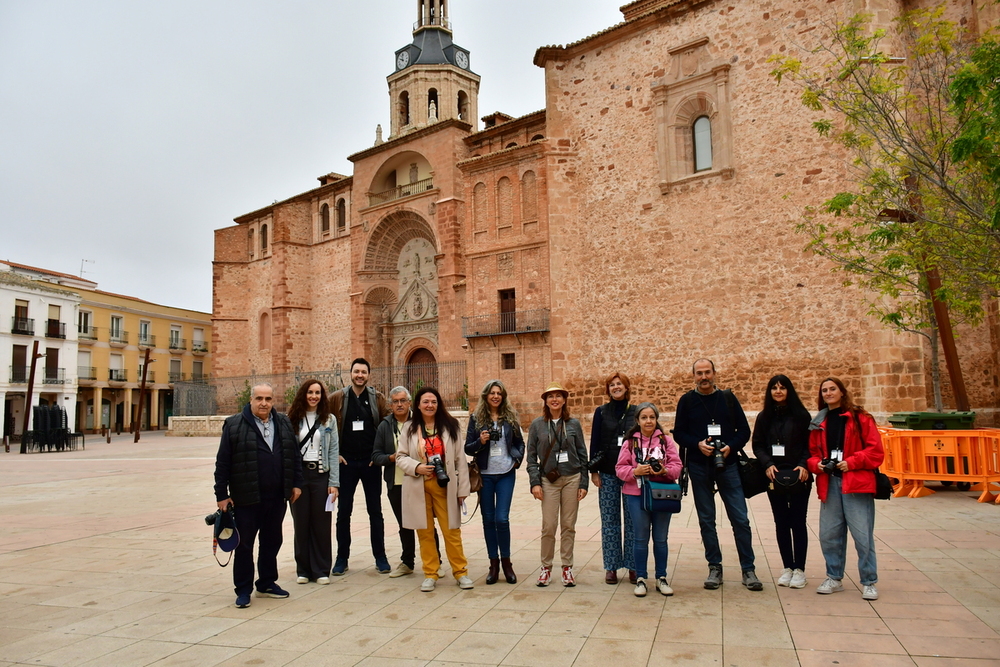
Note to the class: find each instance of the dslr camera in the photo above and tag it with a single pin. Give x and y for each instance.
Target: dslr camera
(829, 466)
(439, 471)
(654, 465)
(494, 434)
(718, 458)
(594, 464)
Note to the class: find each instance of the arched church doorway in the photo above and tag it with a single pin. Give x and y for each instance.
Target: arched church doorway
(421, 369)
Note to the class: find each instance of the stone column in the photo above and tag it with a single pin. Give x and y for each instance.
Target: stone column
(3, 412)
(154, 409)
(97, 398)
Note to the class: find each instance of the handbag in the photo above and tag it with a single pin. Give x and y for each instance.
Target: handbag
(883, 486)
(660, 496)
(786, 482)
(475, 477)
(752, 476)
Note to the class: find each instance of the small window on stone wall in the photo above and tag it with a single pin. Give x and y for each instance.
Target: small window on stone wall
(263, 239)
(341, 216)
(265, 331)
(324, 219)
(250, 243)
(702, 144)
(507, 361)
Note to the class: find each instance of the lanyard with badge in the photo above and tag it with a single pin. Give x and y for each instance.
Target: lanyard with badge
(557, 436)
(714, 429)
(621, 425)
(359, 424)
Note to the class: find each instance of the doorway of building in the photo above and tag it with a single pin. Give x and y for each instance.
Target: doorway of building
(421, 369)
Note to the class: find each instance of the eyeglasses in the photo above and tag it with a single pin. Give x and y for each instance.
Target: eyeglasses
(267, 429)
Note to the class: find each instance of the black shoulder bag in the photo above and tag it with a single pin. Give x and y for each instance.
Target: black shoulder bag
(883, 485)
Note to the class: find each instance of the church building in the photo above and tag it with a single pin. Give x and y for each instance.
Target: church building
(644, 218)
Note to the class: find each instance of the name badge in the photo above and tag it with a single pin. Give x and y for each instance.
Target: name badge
(621, 439)
(837, 455)
(777, 450)
(496, 450)
(714, 430)
(562, 457)
(358, 425)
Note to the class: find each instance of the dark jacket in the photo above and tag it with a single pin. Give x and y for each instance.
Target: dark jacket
(696, 411)
(541, 455)
(385, 446)
(241, 448)
(475, 447)
(338, 407)
(605, 431)
(786, 428)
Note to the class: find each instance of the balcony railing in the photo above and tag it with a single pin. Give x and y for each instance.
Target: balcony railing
(117, 375)
(178, 343)
(54, 376)
(150, 376)
(148, 340)
(19, 374)
(55, 329)
(118, 337)
(400, 191)
(200, 377)
(518, 322)
(199, 346)
(86, 333)
(22, 325)
(176, 376)
(86, 372)
(432, 20)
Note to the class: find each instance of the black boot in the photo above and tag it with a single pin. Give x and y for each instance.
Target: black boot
(508, 571)
(494, 573)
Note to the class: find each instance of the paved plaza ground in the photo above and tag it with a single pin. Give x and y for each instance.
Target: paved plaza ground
(105, 560)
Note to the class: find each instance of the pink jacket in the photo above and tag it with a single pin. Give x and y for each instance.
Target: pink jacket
(663, 448)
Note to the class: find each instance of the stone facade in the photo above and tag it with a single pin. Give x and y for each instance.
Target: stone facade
(643, 219)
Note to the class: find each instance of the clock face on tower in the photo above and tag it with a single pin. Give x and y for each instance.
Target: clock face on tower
(402, 60)
(461, 59)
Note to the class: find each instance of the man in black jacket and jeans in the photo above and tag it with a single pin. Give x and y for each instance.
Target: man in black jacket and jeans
(711, 428)
(257, 469)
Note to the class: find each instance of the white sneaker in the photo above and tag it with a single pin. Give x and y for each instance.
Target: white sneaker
(428, 585)
(465, 583)
(664, 587)
(830, 586)
(869, 592)
(401, 571)
(640, 588)
(323, 581)
(786, 577)
(302, 580)
(798, 579)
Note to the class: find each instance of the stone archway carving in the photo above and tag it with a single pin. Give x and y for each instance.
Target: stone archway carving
(390, 235)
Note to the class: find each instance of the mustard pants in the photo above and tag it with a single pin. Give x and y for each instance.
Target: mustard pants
(436, 502)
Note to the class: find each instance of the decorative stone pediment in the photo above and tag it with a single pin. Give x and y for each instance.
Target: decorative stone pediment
(417, 304)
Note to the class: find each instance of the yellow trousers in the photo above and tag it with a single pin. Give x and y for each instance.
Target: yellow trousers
(436, 502)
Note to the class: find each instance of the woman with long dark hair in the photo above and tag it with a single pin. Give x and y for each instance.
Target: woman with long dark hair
(319, 445)
(612, 421)
(845, 447)
(648, 453)
(435, 485)
(494, 438)
(781, 444)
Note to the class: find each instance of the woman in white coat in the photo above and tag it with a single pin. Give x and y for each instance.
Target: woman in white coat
(435, 485)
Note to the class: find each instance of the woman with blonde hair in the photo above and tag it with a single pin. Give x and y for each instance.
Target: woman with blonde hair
(494, 439)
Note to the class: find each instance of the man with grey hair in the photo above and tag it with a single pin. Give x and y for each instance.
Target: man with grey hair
(257, 469)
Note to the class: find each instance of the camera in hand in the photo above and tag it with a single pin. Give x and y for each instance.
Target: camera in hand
(718, 458)
(829, 466)
(438, 464)
(210, 519)
(654, 465)
(594, 464)
(494, 434)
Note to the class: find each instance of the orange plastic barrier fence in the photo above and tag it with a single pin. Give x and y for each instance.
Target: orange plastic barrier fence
(915, 457)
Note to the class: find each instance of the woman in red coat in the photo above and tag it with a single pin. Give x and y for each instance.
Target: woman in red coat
(845, 447)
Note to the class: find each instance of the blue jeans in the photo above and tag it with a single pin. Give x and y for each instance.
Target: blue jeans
(616, 547)
(643, 523)
(840, 512)
(703, 478)
(494, 500)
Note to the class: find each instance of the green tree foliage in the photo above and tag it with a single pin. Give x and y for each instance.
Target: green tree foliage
(918, 202)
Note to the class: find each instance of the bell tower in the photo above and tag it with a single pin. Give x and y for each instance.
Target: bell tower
(432, 81)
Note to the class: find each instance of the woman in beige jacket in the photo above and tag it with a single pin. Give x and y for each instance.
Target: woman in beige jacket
(436, 484)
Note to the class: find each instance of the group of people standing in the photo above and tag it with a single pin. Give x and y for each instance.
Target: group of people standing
(328, 444)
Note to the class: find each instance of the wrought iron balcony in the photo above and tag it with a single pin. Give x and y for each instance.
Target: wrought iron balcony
(19, 374)
(178, 344)
(55, 329)
(398, 192)
(199, 346)
(148, 340)
(22, 325)
(200, 377)
(117, 375)
(176, 376)
(86, 333)
(518, 322)
(86, 372)
(118, 337)
(54, 376)
(150, 376)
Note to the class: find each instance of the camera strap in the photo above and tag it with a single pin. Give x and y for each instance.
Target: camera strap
(215, 546)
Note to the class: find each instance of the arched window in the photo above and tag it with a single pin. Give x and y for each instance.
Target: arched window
(250, 244)
(264, 337)
(404, 109)
(512, 144)
(702, 130)
(505, 203)
(529, 197)
(463, 106)
(479, 206)
(341, 216)
(324, 219)
(538, 137)
(433, 107)
(263, 239)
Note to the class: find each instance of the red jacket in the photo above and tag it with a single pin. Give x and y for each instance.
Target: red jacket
(863, 453)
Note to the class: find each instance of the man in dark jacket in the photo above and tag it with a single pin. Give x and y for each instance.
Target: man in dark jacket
(359, 409)
(711, 427)
(258, 469)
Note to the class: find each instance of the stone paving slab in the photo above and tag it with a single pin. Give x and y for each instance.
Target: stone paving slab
(105, 560)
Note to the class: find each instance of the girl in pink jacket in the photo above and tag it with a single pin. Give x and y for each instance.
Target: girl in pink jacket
(648, 453)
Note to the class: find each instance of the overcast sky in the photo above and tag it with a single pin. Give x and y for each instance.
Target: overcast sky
(130, 129)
